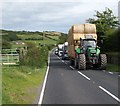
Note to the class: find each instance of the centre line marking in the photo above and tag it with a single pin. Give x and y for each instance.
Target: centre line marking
(110, 72)
(58, 57)
(65, 63)
(84, 75)
(103, 70)
(116, 98)
(72, 67)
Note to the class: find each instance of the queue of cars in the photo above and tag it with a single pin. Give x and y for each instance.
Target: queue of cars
(62, 50)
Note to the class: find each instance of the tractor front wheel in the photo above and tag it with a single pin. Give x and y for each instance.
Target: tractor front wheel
(82, 62)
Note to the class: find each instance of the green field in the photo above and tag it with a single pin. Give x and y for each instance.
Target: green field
(54, 37)
(20, 84)
(24, 36)
(36, 42)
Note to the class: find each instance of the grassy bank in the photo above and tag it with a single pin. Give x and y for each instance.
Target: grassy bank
(113, 68)
(20, 84)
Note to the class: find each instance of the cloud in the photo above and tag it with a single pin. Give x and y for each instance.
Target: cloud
(57, 16)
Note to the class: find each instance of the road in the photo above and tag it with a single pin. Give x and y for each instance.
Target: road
(67, 85)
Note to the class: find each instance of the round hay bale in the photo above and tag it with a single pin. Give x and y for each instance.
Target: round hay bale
(90, 28)
(78, 28)
(78, 36)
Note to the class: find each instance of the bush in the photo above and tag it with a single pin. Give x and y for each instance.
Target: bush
(112, 40)
(32, 58)
(6, 44)
(35, 57)
(30, 45)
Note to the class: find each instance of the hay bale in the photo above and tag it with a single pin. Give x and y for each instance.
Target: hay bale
(78, 28)
(71, 51)
(90, 29)
(77, 43)
(77, 36)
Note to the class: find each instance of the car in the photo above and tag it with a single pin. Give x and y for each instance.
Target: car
(56, 51)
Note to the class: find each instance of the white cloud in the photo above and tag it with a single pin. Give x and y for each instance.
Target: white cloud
(86, 1)
(51, 15)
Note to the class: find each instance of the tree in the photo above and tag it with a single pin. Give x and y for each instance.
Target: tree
(62, 38)
(104, 21)
(9, 35)
(6, 44)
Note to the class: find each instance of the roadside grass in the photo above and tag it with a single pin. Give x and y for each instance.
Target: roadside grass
(20, 84)
(113, 68)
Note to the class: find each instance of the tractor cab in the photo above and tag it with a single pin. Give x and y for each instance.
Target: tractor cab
(88, 44)
(85, 43)
(90, 49)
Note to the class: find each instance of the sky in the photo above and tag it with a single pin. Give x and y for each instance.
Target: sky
(50, 15)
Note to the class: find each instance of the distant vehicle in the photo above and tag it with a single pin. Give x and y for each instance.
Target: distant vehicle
(56, 51)
(65, 51)
(60, 50)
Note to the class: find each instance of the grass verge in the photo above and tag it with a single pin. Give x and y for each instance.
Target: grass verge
(20, 84)
(113, 68)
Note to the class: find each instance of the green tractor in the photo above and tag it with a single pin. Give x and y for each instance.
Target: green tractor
(88, 55)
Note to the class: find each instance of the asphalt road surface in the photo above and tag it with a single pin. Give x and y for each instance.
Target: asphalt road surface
(67, 85)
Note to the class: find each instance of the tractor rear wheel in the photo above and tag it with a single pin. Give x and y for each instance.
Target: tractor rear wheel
(103, 61)
(82, 62)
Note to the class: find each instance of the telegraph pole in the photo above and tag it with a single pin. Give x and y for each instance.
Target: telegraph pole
(43, 37)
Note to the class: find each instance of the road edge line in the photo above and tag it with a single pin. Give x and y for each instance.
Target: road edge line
(44, 82)
(84, 75)
(110, 94)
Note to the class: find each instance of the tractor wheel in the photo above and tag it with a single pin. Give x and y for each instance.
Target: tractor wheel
(103, 61)
(82, 62)
(75, 63)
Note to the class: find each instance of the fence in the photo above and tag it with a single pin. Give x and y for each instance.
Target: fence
(9, 57)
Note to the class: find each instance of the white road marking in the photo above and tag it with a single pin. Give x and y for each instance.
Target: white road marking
(58, 57)
(110, 72)
(72, 67)
(103, 70)
(65, 63)
(62, 61)
(84, 75)
(44, 83)
(119, 75)
(116, 98)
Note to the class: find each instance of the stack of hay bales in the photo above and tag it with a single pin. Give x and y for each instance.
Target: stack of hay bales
(76, 32)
